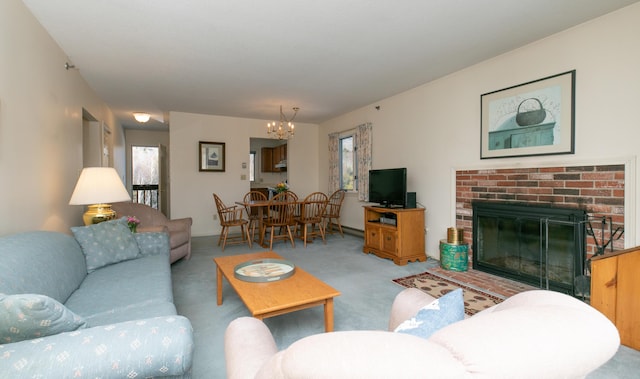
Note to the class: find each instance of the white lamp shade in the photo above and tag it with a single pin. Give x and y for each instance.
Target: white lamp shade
(98, 185)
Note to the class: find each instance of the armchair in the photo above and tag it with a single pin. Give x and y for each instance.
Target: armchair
(152, 220)
(534, 334)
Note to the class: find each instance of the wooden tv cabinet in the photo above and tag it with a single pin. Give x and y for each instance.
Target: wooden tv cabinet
(402, 242)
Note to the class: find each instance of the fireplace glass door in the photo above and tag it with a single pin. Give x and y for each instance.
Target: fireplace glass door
(540, 246)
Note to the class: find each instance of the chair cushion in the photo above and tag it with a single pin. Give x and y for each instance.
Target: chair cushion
(117, 286)
(27, 316)
(435, 315)
(106, 243)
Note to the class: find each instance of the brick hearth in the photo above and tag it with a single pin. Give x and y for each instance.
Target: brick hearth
(599, 189)
(485, 282)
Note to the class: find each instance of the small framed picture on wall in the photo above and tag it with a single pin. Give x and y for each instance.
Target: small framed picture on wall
(211, 156)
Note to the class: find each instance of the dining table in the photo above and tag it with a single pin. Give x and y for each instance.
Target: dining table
(261, 205)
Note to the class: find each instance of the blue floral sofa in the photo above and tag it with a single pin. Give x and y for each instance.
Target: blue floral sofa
(99, 305)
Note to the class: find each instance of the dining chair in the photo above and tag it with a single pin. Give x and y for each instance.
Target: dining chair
(296, 209)
(279, 218)
(254, 214)
(331, 214)
(311, 212)
(231, 217)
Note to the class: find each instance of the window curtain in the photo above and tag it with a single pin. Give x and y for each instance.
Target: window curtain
(363, 144)
(334, 162)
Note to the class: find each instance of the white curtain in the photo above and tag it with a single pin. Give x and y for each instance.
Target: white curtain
(362, 142)
(364, 134)
(334, 162)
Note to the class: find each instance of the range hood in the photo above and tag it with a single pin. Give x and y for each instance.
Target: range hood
(281, 164)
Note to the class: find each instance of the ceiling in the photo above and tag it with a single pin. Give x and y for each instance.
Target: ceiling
(245, 58)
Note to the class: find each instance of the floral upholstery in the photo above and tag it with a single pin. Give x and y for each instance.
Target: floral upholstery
(28, 316)
(155, 347)
(106, 243)
(127, 324)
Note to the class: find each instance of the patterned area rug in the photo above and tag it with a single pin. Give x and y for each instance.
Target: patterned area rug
(435, 285)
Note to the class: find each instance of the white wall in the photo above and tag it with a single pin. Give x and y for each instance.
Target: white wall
(41, 126)
(435, 128)
(192, 190)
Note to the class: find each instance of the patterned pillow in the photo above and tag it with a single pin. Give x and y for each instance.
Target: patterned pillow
(27, 316)
(152, 243)
(106, 243)
(435, 315)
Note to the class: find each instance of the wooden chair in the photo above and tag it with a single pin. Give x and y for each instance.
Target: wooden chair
(254, 214)
(332, 212)
(230, 217)
(279, 218)
(311, 211)
(296, 210)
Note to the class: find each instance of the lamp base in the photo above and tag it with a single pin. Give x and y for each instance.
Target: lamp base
(98, 213)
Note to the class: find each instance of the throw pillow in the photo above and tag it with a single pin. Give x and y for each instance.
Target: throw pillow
(435, 315)
(153, 243)
(27, 316)
(106, 243)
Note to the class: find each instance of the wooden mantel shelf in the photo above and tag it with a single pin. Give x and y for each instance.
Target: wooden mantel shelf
(615, 284)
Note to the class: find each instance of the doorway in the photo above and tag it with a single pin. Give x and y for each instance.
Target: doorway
(149, 177)
(97, 146)
(269, 162)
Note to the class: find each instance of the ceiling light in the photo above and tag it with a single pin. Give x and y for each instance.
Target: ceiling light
(283, 129)
(141, 117)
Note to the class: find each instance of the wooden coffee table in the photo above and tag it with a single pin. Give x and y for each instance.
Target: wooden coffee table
(299, 291)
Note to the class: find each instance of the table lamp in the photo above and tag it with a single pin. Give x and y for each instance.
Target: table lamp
(96, 187)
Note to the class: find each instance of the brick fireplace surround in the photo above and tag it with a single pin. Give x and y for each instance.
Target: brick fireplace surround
(599, 189)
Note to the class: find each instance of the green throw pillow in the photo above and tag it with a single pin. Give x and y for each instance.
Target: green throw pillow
(28, 316)
(435, 315)
(106, 243)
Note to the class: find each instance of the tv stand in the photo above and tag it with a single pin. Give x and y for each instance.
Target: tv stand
(390, 206)
(402, 242)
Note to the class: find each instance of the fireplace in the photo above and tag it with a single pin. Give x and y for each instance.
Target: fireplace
(535, 244)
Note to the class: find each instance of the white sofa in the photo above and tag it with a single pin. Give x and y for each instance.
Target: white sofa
(535, 334)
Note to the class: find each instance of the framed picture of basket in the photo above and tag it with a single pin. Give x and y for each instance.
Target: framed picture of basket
(211, 156)
(533, 118)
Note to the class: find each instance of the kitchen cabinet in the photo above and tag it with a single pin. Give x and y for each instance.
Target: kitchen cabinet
(271, 156)
(267, 159)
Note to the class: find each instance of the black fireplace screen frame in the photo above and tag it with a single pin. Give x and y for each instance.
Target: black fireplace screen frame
(521, 220)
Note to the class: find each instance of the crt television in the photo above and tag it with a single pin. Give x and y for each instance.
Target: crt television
(388, 187)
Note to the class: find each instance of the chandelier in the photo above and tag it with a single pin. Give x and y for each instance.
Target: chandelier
(284, 129)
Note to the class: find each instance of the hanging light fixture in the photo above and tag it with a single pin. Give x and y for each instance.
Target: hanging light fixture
(284, 129)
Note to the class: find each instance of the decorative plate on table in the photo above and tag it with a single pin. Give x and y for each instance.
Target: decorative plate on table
(264, 270)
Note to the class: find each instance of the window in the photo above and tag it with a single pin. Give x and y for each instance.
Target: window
(348, 167)
(145, 174)
(252, 166)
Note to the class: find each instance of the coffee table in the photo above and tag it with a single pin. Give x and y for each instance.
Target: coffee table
(299, 291)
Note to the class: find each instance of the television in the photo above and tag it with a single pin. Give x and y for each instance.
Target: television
(388, 187)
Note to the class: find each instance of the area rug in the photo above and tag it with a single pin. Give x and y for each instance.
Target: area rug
(436, 285)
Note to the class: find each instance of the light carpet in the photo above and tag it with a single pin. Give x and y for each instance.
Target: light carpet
(475, 300)
(364, 280)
